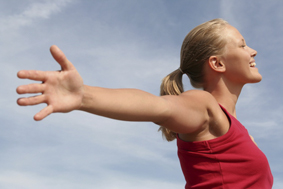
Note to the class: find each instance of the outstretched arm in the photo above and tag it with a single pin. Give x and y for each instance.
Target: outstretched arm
(123, 104)
(64, 91)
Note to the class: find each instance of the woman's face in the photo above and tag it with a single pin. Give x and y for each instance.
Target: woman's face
(238, 59)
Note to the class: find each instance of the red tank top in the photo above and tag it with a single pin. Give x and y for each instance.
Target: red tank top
(230, 161)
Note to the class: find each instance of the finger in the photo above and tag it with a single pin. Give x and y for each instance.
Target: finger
(29, 101)
(31, 88)
(43, 113)
(32, 74)
(60, 57)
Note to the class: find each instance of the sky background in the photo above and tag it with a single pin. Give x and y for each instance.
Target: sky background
(122, 44)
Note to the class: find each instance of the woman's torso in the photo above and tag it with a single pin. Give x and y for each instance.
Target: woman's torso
(231, 160)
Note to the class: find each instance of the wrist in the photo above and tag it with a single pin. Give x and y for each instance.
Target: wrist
(83, 98)
(87, 98)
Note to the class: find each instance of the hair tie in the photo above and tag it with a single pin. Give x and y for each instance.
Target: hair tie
(181, 70)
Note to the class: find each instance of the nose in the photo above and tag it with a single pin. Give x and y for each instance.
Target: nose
(253, 52)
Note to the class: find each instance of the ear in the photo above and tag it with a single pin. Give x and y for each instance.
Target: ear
(216, 64)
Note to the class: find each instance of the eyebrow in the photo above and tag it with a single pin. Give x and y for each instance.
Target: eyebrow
(243, 41)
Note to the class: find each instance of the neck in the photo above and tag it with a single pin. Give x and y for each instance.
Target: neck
(225, 94)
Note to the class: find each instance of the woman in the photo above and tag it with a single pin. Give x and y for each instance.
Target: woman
(214, 149)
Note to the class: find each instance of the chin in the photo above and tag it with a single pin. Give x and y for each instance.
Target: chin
(257, 79)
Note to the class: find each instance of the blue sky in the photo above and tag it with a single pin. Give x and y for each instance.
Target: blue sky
(122, 44)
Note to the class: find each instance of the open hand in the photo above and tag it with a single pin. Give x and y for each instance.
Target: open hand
(62, 90)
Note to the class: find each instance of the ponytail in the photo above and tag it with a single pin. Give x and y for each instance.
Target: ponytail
(171, 85)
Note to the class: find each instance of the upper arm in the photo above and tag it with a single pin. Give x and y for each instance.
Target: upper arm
(188, 112)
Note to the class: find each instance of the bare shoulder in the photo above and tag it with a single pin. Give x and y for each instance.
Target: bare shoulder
(190, 112)
(206, 101)
(201, 99)
(196, 115)
(216, 122)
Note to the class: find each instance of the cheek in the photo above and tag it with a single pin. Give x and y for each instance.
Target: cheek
(247, 55)
(237, 59)
(242, 59)
(237, 65)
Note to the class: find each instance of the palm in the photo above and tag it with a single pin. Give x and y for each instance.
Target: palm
(62, 91)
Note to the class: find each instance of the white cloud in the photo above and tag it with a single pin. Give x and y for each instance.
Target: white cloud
(35, 11)
(227, 9)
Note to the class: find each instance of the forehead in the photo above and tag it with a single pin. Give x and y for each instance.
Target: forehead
(233, 35)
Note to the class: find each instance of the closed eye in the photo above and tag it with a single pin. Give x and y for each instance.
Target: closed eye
(243, 43)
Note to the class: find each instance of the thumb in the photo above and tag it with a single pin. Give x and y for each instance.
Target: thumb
(60, 57)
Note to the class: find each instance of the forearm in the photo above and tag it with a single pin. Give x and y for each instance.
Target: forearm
(124, 104)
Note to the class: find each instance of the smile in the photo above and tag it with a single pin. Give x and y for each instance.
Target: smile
(253, 64)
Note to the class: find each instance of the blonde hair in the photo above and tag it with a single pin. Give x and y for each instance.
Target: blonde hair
(200, 43)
